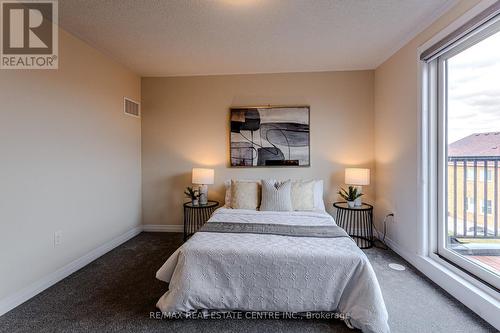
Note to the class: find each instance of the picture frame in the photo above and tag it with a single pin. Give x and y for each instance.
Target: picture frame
(270, 136)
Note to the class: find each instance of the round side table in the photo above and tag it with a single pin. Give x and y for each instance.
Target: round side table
(197, 215)
(357, 222)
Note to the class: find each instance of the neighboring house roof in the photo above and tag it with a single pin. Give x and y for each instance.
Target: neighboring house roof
(477, 144)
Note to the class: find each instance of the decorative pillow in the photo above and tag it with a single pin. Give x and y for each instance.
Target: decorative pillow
(245, 195)
(303, 195)
(276, 196)
(227, 186)
(227, 197)
(319, 204)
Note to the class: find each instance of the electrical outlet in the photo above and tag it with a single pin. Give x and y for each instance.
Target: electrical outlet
(58, 238)
(394, 212)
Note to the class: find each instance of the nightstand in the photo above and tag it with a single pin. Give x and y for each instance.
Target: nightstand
(197, 215)
(357, 222)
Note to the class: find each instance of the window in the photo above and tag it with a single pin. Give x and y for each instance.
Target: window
(469, 205)
(489, 177)
(471, 175)
(489, 208)
(463, 88)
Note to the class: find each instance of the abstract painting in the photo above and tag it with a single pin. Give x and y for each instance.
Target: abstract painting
(270, 136)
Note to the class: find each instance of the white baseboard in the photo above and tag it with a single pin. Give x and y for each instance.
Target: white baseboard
(454, 286)
(465, 292)
(162, 228)
(10, 302)
(37, 287)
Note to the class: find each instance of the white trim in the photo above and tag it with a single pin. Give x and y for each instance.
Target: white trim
(474, 298)
(163, 228)
(457, 287)
(21, 296)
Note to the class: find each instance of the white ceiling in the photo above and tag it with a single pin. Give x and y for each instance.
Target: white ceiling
(201, 37)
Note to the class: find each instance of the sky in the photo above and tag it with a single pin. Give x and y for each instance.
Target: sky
(474, 90)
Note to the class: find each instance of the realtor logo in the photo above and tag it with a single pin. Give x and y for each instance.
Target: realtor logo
(29, 36)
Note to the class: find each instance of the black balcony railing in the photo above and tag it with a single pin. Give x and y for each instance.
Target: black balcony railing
(468, 227)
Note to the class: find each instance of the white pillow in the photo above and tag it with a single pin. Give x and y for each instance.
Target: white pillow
(276, 196)
(319, 204)
(245, 195)
(227, 197)
(303, 195)
(227, 185)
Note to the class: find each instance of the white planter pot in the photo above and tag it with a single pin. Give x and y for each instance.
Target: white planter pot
(351, 204)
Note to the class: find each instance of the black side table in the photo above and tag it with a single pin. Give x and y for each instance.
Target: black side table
(196, 216)
(357, 222)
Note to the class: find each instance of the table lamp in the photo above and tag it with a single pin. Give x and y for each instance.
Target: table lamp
(357, 177)
(203, 177)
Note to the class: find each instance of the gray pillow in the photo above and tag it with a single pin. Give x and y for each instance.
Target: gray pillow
(276, 196)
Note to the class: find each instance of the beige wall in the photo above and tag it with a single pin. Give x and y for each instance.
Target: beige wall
(186, 124)
(396, 134)
(70, 161)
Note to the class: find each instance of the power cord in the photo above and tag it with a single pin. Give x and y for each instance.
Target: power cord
(384, 245)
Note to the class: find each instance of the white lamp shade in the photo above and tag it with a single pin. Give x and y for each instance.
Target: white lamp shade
(203, 176)
(357, 176)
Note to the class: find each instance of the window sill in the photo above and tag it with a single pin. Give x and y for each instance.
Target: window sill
(468, 280)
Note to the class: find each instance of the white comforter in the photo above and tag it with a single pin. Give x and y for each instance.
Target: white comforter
(255, 272)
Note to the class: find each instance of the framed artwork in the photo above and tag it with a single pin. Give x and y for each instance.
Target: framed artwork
(270, 136)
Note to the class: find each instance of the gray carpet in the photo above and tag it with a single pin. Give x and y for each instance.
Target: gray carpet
(118, 291)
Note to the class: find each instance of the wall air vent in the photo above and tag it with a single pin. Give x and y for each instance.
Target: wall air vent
(131, 107)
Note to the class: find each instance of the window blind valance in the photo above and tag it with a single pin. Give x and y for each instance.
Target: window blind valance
(488, 15)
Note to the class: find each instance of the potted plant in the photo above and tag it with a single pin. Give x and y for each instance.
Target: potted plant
(350, 196)
(192, 194)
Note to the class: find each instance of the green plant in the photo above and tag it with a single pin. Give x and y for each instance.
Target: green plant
(350, 195)
(191, 193)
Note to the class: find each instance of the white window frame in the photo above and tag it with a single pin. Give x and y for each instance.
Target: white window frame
(481, 298)
(431, 236)
(442, 163)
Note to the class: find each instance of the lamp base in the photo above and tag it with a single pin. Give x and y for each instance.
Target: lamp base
(203, 194)
(358, 202)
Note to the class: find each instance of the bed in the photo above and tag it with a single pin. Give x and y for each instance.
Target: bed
(245, 271)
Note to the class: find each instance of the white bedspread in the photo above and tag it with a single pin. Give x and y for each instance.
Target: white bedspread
(255, 272)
